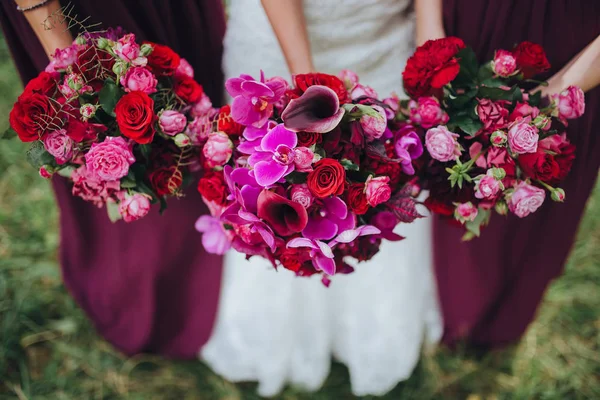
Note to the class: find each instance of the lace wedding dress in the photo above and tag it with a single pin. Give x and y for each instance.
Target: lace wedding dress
(275, 328)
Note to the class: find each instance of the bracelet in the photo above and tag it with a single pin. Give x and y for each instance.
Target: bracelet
(33, 7)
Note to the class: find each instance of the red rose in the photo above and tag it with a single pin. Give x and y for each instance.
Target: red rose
(135, 116)
(356, 198)
(163, 60)
(33, 116)
(226, 124)
(539, 165)
(166, 180)
(432, 66)
(44, 83)
(363, 248)
(290, 259)
(94, 65)
(304, 81)
(307, 139)
(187, 89)
(327, 178)
(531, 59)
(565, 161)
(438, 206)
(212, 187)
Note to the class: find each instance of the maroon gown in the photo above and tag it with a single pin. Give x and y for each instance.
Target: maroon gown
(490, 288)
(148, 286)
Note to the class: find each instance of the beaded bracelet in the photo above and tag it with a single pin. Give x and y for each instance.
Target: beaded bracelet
(33, 7)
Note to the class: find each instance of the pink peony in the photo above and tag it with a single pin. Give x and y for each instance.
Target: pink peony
(374, 126)
(523, 137)
(134, 207)
(172, 122)
(302, 195)
(427, 112)
(570, 103)
(492, 114)
(59, 145)
(139, 79)
(218, 149)
(488, 186)
(504, 64)
(303, 159)
(184, 69)
(63, 58)
(128, 50)
(377, 190)
(90, 188)
(442, 144)
(466, 212)
(109, 160)
(526, 199)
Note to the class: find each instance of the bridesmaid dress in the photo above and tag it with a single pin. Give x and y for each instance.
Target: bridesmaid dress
(147, 286)
(490, 287)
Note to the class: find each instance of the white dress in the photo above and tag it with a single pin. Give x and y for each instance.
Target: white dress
(277, 329)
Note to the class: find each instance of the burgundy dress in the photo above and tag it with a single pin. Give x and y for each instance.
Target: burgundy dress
(490, 288)
(148, 286)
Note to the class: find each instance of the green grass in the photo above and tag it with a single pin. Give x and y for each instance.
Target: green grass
(48, 349)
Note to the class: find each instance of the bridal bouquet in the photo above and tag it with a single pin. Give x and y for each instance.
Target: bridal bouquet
(490, 143)
(306, 175)
(113, 116)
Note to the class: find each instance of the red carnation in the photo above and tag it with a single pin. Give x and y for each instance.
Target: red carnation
(304, 81)
(531, 59)
(135, 117)
(432, 66)
(187, 89)
(213, 188)
(163, 60)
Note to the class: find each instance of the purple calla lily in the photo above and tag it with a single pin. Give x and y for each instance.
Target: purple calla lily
(317, 110)
(275, 158)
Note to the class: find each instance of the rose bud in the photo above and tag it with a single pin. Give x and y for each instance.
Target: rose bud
(145, 50)
(134, 207)
(504, 64)
(374, 125)
(102, 43)
(498, 173)
(301, 194)
(465, 212)
(182, 140)
(87, 111)
(119, 68)
(427, 112)
(218, 149)
(569, 103)
(45, 171)
(501, 207)
(303, 159)
(558, 194)
(488, 186)
(498, 138)
(377, 190)
(172, 122)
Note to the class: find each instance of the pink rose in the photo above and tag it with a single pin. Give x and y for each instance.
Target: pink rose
(554, 143)
(218, 149)
(199, 128)
(504, 64)
(349, 78)
(139, 79)
(303, 159)
(570, 103)
(523, 110)
(465, 212)
(128, 50)
(362, 91)
(523, 137)
(393, 104)
(201, 107)
(90, 188)
(184, 69)
(374, 126)
(302, 195)
(526, 199)
(109, 160)
(377, 190)
(73, 85)
(172, 122)
(59, 145)
(488, 186)
(134, 207)
(476, 151)
(492, 114)
(442, 144)
(427, 112)
(61, 59)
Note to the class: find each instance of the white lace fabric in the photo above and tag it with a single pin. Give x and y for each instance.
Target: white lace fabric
(277, 329)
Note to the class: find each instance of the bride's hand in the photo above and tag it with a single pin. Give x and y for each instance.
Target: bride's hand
(430, 23)
(289, 25)
(51, 30)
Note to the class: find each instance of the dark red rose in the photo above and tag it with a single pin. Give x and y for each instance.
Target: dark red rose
(187, 89)
(94, 65)
(438, 206)
(531, 59)
(226, 124)
(163, 60)
(565, 161)
(83, 131)
(44, 83)
(432, 66)
(33, 116)
(213, 188)
(304, 81)
(290, 259)
(307, 139)
(331, 142)
(166, 180)
(327, 178)
(363, 248)
(539, 165)
(357, 199)
(135, 116)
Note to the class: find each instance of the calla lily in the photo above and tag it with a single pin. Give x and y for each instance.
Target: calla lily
(317, 110)
(283, 215)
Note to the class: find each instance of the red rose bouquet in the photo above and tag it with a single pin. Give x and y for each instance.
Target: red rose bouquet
(307, 176)
(491, 144)
(116, 118)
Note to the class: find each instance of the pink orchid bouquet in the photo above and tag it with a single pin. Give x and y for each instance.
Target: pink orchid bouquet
(117, 118)
(307, 176)
(490, 143)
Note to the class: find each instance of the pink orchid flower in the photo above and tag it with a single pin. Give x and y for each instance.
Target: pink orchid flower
(275, 157)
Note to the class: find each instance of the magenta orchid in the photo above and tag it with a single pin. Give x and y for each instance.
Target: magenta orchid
(215, 238)
(275, 157)
(253, 100)
(408, 147)
(332, 218)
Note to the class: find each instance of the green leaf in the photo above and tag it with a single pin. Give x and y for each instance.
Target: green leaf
(468, 68)
(535, 98)
(485, 72)
(146, 150)
(296, 177)
(461, 100)
(492, 93)
(482, 218)
(493, 82)
(112, 209)
(37, 155)
(467, 124)
(128, 184)
(109, 96)
(8, 134)
(349, 165)
(163, 204)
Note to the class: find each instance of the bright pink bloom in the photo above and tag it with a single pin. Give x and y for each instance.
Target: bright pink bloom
(526, 199)
(570, 103)
(378, 190)
(523, 137)
(215, 238)
(172, 122)
(128, 50)
(442, 144)
(218, 149)
(427, 112)
(90, 188)
(303, 159)
(492, 114)
(374, 126)
(275, 158)
(59, 145)
(109, 160)
(504, 64)
(139, 79)
(63, 58)
(184, 68)
(134, 207)
(302, 195)
(488, 186)
(408, 147)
